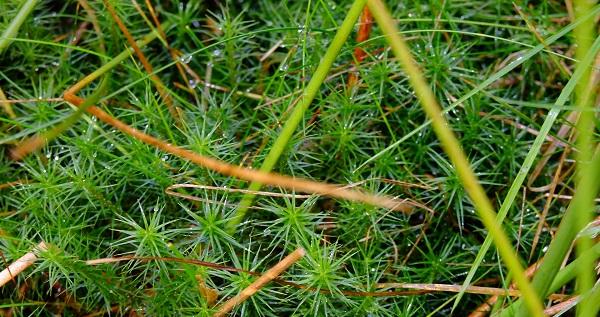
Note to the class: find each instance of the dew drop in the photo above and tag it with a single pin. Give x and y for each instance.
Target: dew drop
(217, 53)
(193, 83)
(186, 58)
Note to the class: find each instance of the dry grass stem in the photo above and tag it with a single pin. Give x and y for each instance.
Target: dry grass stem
(155, 79)
(269, 275)
(272, 179)
(21, 264)
(457, 288)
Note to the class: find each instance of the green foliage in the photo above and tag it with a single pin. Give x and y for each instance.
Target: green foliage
(93, 192)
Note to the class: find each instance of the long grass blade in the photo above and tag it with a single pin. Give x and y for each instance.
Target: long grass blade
(453, 149)
(562, 99)
(565, 235)
(585, 96)
(490, 80)
(14, 26)
(297, 115)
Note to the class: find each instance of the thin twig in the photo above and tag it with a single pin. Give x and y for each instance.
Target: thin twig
(364, 31)
(484, 308)
(169, 190)
(457, 288)
(155, 79)
(33, 100)
(21, 264)
(224, 168)
(276, 280)
(553, 185)
(272, 273)
(560, 307)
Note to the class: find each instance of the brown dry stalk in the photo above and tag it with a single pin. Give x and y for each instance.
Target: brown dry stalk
(272, 179)
(169, 190)
(567, 304)
(78, 35)
(269, 275)
(8, 101)
(13, 183)
(566, 127)
(92, 15)
(484, 308)
(163, 36)
(565, 197)
(529, 130)
(208, 293)
(553, 185)
(276, 280)
(532, 28)
(6, 105)
(364, 31)
(155, 18)
(29, 145)
(562, 132)
(457, 288)
(21, 264)
(157, 82)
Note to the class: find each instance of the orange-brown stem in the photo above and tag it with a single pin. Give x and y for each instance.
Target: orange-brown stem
(146, 64)
(364, 31)
(272, 179)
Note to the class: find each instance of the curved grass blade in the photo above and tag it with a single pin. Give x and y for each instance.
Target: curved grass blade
(298, 114)
(585, 96)
(562, 99)
(493, 78)
(38, 141)
(15, 24)
(454, 151)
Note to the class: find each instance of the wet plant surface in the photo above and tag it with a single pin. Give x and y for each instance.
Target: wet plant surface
(223, 80)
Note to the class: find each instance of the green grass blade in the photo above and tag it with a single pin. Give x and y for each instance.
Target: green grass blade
(579, 212)
(454, 151)
(14, 26)
(297, 115)
(562, 99)
(557, 250)
(65, 124)
(493, 78)
(585, 93)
